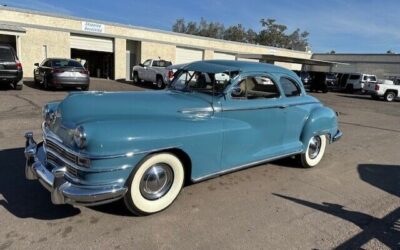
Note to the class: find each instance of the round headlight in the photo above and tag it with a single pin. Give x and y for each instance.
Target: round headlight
(48, 115)
(80, 137)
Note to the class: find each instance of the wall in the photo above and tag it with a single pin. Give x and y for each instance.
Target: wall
(150, 50)
(31, 45)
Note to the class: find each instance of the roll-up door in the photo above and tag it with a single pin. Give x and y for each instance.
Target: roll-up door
(92, 43)
(186, 55)
(224, 56)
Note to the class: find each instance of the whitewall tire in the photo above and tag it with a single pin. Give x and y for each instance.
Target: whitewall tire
(315, 151)
(155, 184)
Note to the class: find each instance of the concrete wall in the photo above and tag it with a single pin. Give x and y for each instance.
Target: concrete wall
(120, 58)
(31, 46)
(151, 50)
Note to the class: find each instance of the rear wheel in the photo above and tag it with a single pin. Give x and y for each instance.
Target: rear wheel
(155, 184)
(315, 151)
(136, 78)
(390, 96)
(17, 86)
(160, 83)
(375, 97)
(349, 88)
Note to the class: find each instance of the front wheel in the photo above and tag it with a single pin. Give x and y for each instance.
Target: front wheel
(315, 151)
(160, 83)
(155, 184)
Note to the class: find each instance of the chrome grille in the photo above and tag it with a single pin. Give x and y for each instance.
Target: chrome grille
(59, 150)
(59, 162)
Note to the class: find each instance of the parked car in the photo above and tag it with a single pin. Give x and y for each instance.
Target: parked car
(383, 88)
(61, 72)
(318, 82)
(331, 80)
(11, 72)
(154, 71)
(304, 76)
(356, 82)
(100, 146)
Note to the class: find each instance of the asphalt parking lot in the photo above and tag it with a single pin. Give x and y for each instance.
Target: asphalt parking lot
(351, 200)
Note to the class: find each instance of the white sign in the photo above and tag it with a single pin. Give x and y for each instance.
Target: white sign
(93, 27)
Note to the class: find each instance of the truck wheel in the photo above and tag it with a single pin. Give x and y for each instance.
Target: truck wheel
(314, 153)
(390, 96)
(136, 78)
(17, 87)
(160, 83)
(155, 184)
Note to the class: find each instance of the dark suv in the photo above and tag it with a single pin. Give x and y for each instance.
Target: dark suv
(10, 67)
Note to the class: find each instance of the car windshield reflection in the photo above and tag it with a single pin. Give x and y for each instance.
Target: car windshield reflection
(209, 83)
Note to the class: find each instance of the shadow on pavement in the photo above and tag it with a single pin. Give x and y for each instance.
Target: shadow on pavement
(23, 198)
(386, 229)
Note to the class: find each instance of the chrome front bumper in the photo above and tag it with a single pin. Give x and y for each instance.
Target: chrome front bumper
(337, 136)
(62, 191)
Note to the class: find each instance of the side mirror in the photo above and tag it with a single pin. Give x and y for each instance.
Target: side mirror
(36, 64)
(141, 64)
(236, 92)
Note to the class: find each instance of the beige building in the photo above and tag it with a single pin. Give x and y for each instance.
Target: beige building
(109, 50)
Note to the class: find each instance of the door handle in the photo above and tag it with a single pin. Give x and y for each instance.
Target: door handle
(283, 106)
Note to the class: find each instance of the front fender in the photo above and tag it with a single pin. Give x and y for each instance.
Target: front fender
(321, 121)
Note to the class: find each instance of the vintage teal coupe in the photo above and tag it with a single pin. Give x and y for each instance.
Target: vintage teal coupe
(215, 117)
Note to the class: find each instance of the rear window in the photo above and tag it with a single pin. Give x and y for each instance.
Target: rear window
(369, 78)
(354, 77)
(6, 54)
(66, 63)
(161, 63)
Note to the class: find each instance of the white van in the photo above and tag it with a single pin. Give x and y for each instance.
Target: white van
(357, 81)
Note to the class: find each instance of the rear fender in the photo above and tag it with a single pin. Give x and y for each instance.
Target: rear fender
(322, 121)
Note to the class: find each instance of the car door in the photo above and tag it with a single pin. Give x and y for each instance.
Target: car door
(143, 72)
(253, 121)
(295, 113)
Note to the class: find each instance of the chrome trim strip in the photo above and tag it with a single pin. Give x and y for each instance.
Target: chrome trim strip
(83, 169)
(247, 165)
(55, 139)
(337, 136)
(282, 106)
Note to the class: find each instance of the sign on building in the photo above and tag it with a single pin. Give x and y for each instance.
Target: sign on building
(93, 27)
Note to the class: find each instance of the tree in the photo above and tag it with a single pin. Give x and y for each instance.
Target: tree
(332, 52)
(235, 33)
(272, 33)
(390, 52)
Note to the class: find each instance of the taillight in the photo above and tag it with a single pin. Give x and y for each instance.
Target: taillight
(376, 87)
(19, 65)
(170, 74)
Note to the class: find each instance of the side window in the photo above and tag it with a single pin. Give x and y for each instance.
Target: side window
(156, 63)
(254, 87)
(289, 87)
(48, 63)
(147, 63)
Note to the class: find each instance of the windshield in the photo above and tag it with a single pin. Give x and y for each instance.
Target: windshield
(209, 83)
(66, 63)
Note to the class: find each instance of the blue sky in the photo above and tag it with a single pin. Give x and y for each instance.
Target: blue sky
(359, 26)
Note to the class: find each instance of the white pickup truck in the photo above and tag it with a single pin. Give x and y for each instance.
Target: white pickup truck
(152, 70)
(383, 88)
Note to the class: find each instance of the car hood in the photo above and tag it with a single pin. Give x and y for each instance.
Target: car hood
(79, 108)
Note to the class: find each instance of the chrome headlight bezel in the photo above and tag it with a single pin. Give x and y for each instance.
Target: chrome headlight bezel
(48, 115)
(80, 137)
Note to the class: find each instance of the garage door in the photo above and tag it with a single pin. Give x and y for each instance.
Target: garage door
(186, 55)
(224, 56)
(92, 43)
(248, 60)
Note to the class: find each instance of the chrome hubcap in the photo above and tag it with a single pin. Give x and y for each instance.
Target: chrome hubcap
(314, 147)
(156, 181)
